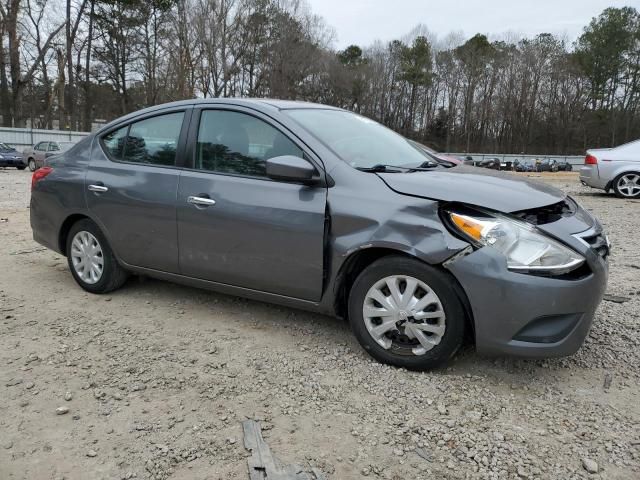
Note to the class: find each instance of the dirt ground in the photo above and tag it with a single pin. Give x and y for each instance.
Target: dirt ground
(157, 378)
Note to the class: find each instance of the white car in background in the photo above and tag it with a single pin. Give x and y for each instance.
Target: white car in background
(616, 169)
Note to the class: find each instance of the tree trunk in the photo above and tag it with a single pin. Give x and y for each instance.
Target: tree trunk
(87, 77)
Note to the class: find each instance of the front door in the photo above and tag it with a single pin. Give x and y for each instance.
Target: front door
(244, 229)
(131, 188)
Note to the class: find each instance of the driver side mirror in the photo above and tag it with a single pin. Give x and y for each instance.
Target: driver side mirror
(290, 168)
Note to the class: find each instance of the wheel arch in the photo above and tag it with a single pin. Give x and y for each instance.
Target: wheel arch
(360, 259)
(623, 170)
(66, 227)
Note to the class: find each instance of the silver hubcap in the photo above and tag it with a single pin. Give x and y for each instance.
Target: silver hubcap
(87, 258)
(404, 310)
(629, 185)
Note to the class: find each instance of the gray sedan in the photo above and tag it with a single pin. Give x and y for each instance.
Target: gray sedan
(321, 209)
(35, 156)
(616, 169)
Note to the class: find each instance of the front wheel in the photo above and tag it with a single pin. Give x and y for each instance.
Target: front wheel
(32, 165)
(627, 185)
(405, 313)
(91, 260)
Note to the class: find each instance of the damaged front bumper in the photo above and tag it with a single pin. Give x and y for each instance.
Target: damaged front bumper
(534, 316)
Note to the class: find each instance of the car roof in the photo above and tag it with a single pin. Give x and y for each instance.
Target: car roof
(261, 104)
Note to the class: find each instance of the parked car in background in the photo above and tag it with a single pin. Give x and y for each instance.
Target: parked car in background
(36, 155)
(506, 165)
(10, 157)
(322, 209)
(526, 165)
(616, 169)
(547, 165)
(564, 166)
(492, 163)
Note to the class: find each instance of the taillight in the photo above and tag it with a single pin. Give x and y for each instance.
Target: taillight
(39, 175)
(590, 160)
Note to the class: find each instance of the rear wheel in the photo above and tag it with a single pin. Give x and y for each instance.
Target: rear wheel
(405, 313)
(91, 260)
(32, 165)
(21, 167)
(627, 185)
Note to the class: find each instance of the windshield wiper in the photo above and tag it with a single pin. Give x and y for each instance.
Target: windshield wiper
(380, 167)
(384, 168)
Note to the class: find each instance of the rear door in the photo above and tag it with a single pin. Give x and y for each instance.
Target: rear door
(251, 231)
(132, 184)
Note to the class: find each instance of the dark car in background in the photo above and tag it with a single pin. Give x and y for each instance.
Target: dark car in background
(10, 157)
(35, 156)
(318, 208)
(523, 165)
(492, 163)
(547, 165)
(564, 166)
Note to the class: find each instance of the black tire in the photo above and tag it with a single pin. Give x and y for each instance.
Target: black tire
(441, 284)
(32, 164)
(21, 168)
(113, 275)
(618, 193)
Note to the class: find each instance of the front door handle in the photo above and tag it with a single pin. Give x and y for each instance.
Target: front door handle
(98, 188)
(201, 201)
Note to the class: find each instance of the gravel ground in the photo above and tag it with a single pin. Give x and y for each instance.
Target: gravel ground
(153, 381)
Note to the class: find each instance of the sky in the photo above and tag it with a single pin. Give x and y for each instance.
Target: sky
(361, 22)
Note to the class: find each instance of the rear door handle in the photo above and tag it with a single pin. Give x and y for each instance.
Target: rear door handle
(98, 188)
(201, 201)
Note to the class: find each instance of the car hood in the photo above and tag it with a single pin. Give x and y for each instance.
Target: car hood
(475, 186)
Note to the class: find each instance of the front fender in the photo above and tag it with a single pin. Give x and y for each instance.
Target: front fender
(375, 219)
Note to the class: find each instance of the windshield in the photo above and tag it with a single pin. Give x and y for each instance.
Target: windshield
(357, 140)
(4, 146)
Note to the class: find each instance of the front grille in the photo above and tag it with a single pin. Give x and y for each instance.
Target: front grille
(548, 214)
(598, 242)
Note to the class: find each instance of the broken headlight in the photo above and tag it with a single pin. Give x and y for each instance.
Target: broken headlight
(526, 249)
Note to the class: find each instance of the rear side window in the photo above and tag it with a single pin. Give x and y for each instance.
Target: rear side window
(151, 141)
(240, 144)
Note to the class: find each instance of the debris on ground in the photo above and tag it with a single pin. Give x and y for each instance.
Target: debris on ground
(263, 465)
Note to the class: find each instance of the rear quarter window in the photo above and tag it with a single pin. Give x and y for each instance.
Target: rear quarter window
(113, 142)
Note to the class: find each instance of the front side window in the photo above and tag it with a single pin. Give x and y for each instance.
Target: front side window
(152, 141)
(240, 144)
(357, 140)
(41, 146)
